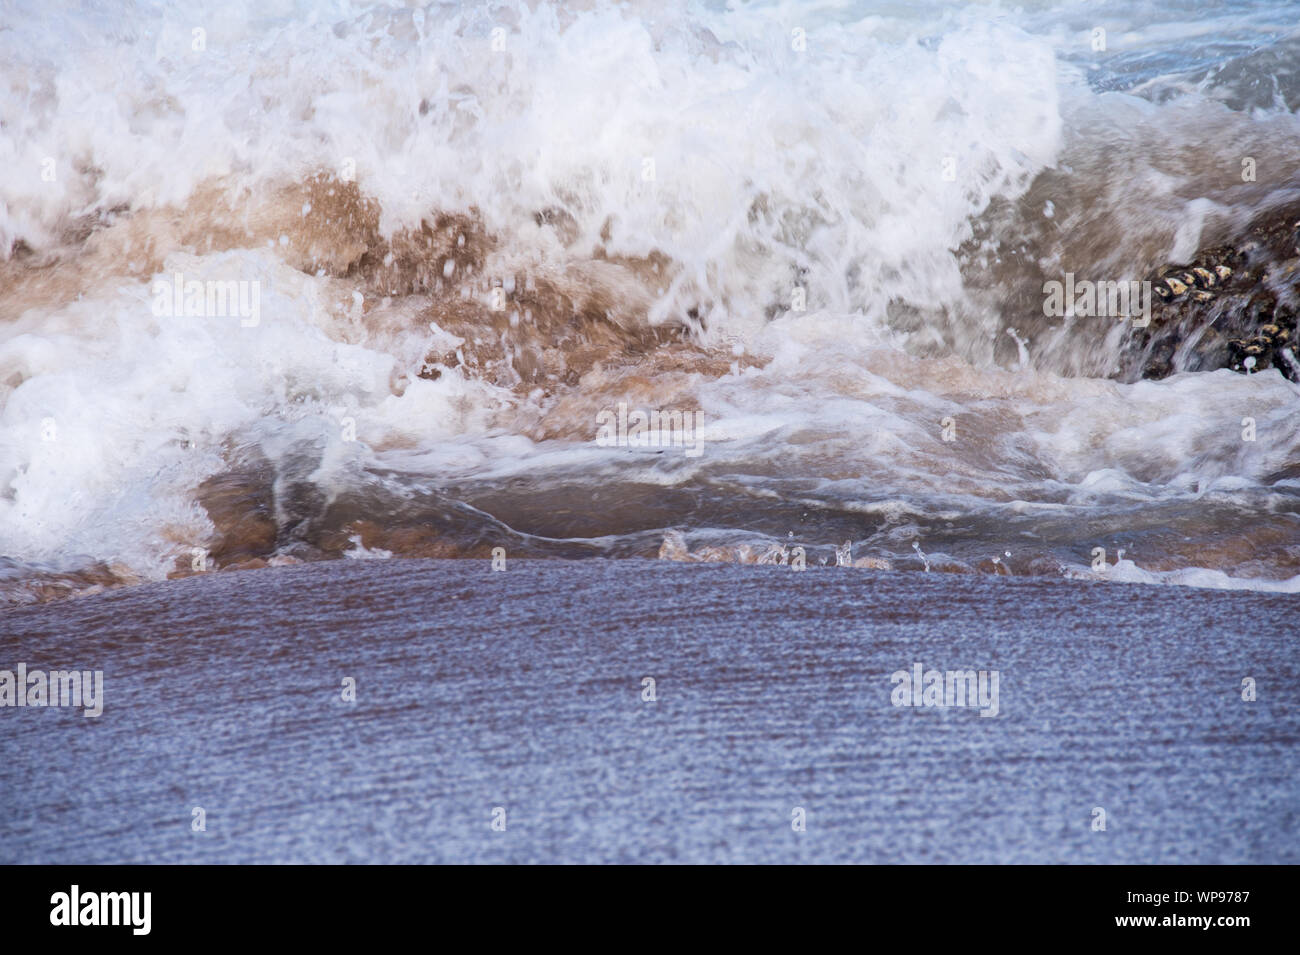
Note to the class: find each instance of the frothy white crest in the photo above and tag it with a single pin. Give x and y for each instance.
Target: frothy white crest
(707, 136)
(850, 164)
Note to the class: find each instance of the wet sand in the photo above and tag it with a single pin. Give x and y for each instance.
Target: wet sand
(523, 690)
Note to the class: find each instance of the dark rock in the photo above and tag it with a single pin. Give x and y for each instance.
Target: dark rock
(1233, 306)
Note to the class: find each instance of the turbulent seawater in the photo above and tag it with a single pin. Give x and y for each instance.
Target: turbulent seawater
(459, 234)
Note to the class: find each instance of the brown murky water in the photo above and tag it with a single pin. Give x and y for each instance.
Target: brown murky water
(386, 308)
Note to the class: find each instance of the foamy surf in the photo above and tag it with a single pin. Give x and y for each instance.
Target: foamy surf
(289, 281)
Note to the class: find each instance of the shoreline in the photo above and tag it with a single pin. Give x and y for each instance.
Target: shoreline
(55, 587)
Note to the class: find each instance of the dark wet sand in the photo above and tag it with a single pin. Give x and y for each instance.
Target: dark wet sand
(522, 690)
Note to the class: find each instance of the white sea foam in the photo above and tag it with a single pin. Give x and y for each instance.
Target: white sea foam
(704, 135)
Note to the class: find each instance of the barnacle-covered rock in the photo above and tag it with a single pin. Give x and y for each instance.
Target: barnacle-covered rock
(1234, 306)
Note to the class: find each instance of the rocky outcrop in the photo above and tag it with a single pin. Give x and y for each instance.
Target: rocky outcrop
(1233, 306)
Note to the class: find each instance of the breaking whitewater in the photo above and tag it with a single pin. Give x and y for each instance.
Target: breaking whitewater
(763, 284)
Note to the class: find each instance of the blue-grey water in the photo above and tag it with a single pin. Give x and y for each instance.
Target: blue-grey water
(522, 690)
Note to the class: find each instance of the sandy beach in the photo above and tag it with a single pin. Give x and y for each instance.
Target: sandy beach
(523, 691)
